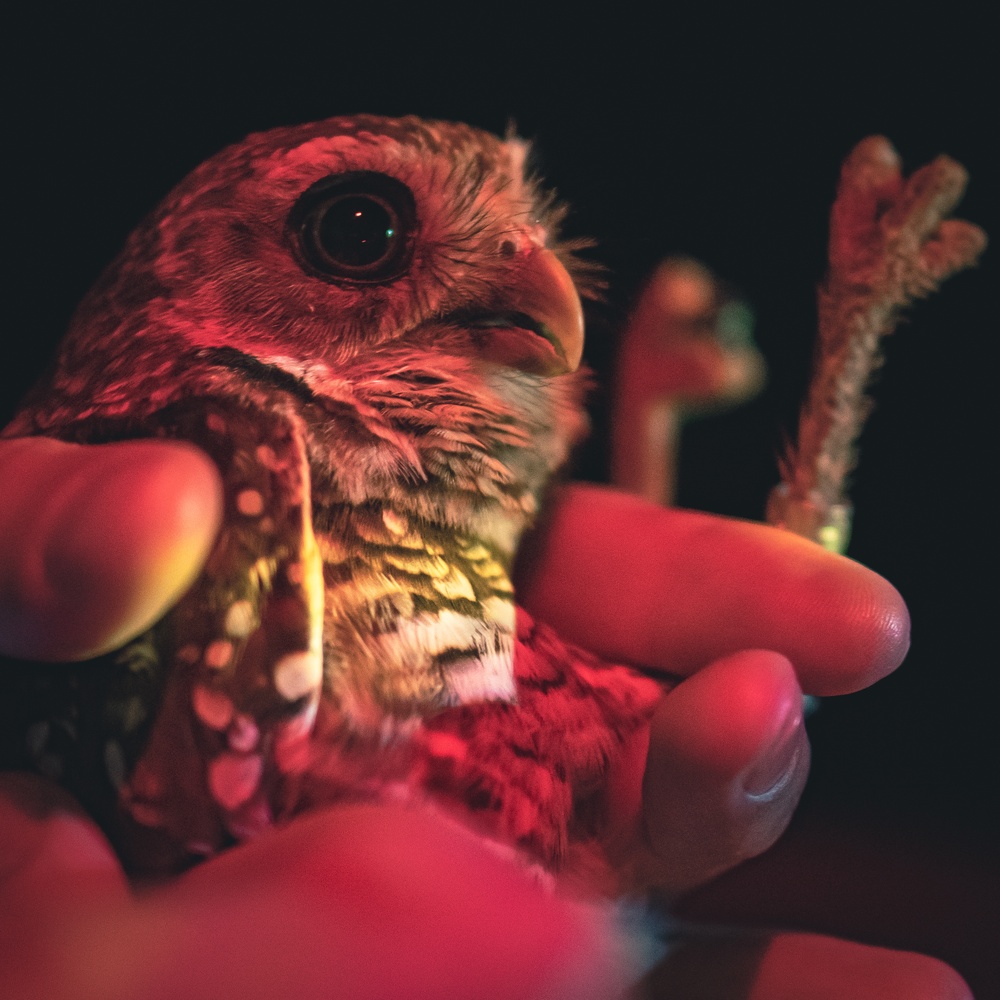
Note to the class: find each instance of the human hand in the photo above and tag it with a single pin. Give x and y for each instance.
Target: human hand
(285, 905)
(751, 617)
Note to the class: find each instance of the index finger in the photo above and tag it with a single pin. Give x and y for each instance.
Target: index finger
(670, 590)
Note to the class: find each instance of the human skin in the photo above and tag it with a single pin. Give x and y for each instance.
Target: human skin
(372, 901)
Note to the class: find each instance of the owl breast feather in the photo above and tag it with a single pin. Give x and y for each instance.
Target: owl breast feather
(378, 604)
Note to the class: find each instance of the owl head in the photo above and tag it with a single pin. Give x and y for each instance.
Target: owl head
(332, 240)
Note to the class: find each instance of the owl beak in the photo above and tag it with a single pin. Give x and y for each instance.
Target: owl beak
(536, 324)
(547, 294)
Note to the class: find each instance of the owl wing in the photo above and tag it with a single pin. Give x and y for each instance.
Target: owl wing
(191, 735)
(243, 648)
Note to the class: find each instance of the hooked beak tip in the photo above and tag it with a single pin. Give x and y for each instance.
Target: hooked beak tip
(549, 295)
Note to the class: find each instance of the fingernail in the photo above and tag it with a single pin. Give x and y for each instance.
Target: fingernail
(773, 770)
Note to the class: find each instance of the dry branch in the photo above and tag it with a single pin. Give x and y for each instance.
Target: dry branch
(890, 244)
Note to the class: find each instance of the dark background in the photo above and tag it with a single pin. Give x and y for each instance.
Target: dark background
(710, 133)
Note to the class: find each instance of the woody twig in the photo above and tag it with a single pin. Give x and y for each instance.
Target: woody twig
(890, 244)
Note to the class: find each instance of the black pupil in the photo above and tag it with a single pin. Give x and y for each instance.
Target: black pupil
(357, 231)
(357, 227)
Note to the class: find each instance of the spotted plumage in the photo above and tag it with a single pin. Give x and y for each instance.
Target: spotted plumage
(371, 327)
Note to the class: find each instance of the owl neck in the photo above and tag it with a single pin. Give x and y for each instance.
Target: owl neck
(441, 442)
(422, 488)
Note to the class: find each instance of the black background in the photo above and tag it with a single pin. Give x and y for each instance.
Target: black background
(716, 134)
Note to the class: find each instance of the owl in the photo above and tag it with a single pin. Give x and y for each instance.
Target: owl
(373, 329)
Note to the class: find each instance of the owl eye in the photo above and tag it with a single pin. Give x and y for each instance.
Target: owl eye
(355, 227)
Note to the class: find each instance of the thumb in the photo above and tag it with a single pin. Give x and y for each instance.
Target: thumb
(728, 759)
(96, 541)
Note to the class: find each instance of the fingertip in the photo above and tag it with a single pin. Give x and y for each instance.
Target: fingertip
(723, 718)
(144, 521)
(890, 631)
(868, 639)
(756, 965)
(51, 851)
(105, 539)
(841, 624)
(798, 964)
(728, 759)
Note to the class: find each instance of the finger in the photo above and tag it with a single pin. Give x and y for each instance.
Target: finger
(361, 902)
(97, 541)
(728, 759)
(670, 590)
(796, 967)
(51, 853)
